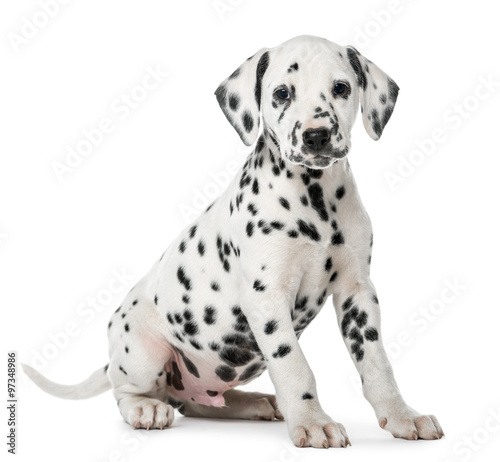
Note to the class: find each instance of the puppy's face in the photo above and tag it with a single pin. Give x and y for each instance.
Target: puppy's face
(309, 102)
(308, 91)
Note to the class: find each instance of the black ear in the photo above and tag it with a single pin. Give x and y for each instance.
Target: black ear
(239, 96)
(378, 93)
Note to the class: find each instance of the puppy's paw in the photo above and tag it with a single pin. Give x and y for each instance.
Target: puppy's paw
(410, 425)
(320, 435)
(151, 413)
(265, 407)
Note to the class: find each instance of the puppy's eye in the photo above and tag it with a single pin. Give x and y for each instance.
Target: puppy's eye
(341, 89)
(282, 94)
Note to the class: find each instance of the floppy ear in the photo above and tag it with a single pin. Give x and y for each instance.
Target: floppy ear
(378, 93)
(239, 96)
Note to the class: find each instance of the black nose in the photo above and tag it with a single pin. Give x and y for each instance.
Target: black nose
(316, 138)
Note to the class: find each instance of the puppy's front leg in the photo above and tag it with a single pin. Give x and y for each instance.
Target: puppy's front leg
(268, 315)
(358, 315)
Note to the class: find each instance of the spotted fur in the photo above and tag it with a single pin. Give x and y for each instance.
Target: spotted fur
(234, 292)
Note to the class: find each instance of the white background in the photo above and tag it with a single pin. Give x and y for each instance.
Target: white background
(60, 241)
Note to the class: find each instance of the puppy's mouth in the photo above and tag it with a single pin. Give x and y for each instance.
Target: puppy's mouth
(325, 157)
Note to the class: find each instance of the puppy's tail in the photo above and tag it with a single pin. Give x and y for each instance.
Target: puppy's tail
(96, 384)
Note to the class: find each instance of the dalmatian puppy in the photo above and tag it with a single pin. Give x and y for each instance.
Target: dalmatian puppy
(233, 293)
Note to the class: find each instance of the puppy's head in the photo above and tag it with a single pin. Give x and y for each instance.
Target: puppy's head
(308, 91)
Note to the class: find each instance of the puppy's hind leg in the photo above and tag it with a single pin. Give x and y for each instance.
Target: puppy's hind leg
(238, 405)
(138, 354)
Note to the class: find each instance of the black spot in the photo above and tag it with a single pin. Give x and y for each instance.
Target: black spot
(261, 70)
(358, 351)
(258, 286)
(178, 318)
(293, 67)
(225, 373)
(247, 120)
(235, 356)
(306, 179)
(270, 327)
(106, 367)
(190, 328)
(277, 225)
(284, 203)
(249, 229)
(170, 318)
(156, 299)
(328, 264)
(186, 299)
(255, 186)
(383, 98)
(321, 298)
(127, 328)
(308, 230)
(282, 351)
(252, 209)
(176, 377)
(375, 299)
(135, 302)
(126, 349)
(393, 90)
(214, 346)
(178, 337)
(182, 247)
(122, 369)
(316, 174)
(227, 249)
(201, 248)
(300, 304)
(338, 238)
(333, 276)
(214, 286)
(361, 319)
(188, 315)
(356, 65)
(249, 372)
(347, 304)
(183, 279)
(221, 94)
(376, 124)
(339, 193)
(245, 180)
(315, 192)
(355, 335)
(304, 200)
(190, 366)
(371, 334)
(293, 234)
(235, 339)
(234, 101)
(212, 393)
(236, 310)
(307, 396)
(110, 324)
(192, 231)
(210, 314)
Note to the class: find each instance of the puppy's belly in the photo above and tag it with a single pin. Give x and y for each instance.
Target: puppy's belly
(203, 377)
